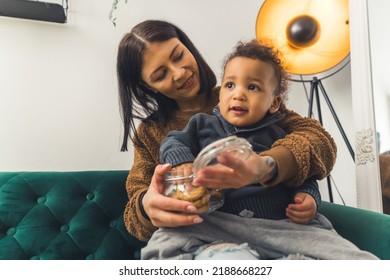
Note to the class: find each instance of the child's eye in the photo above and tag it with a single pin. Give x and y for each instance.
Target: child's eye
(229, 85)
(253, 87)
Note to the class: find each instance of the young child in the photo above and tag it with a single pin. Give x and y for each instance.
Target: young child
(253, 88)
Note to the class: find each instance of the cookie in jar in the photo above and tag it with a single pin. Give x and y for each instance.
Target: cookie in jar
(179, 186)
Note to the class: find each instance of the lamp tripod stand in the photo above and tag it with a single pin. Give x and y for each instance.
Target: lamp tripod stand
(311, 43)
(315, 86)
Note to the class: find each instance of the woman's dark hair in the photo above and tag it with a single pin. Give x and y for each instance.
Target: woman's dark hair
(266, 52)
(136, 100)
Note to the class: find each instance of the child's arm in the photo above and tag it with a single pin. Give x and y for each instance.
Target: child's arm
(180, 147)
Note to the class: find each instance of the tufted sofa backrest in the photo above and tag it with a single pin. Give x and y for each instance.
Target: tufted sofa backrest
(64, 215)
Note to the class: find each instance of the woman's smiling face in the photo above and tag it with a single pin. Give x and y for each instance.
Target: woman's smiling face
(171, 69)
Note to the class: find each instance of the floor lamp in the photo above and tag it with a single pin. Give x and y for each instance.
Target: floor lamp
(312, 43)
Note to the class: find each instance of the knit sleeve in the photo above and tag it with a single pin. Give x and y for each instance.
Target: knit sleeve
(182, 146)
(312, 150)
(138, 181)
(310, 187)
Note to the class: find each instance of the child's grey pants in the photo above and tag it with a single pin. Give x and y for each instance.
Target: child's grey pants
(271, 239)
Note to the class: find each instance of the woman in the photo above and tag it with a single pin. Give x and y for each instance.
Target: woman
(163, 81)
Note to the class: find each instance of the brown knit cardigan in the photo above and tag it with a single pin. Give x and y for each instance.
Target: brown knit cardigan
(312, 153)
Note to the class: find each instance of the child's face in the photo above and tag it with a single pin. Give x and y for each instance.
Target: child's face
(246, 93)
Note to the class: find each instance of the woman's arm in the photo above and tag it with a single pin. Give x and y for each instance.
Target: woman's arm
(136, 221)
(147, 208)
(307, 151)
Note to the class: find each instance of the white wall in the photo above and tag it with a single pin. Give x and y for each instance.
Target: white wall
(58, 94)
(380, 45)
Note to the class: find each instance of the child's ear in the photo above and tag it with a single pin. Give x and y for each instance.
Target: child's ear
(275, 104)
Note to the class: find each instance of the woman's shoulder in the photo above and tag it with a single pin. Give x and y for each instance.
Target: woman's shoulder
(283, 109)
(147, 130)
(153, 129)
(145, 126)
(149, 137)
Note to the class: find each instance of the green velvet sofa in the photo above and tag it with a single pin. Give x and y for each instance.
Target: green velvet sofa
(78, 215)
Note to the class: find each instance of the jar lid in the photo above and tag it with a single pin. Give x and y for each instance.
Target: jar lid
(238, 146)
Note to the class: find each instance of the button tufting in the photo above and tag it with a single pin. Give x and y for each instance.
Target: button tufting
(113, 224)
(64, 228)
(11, 231)
(90, 196)
(41, 200)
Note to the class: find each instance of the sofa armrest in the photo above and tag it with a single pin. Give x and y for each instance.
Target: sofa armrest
(368, 230)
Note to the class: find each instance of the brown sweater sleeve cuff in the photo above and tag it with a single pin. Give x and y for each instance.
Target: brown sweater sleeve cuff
(142, 216)
(287, 166)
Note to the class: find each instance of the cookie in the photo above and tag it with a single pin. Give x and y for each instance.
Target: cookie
(196, 193)
(201, 201)
(178, 194)
(199, 196)
(202, 209)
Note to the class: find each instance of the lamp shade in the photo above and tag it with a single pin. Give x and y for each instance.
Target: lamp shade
(313, 35)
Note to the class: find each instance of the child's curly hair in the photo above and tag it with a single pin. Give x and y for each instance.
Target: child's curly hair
(266, 52)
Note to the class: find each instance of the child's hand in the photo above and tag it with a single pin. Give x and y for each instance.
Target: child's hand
(232, 172)
(303, 210)
(184, 169)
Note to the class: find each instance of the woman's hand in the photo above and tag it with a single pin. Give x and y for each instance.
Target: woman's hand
(164, 211)
(303, 210)
(233, 172)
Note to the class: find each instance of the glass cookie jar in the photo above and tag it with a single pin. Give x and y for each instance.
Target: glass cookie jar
(179, 185)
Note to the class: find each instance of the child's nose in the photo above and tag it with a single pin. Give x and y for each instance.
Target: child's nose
(239, 93)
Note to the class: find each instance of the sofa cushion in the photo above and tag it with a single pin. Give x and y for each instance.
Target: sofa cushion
(64, 215)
